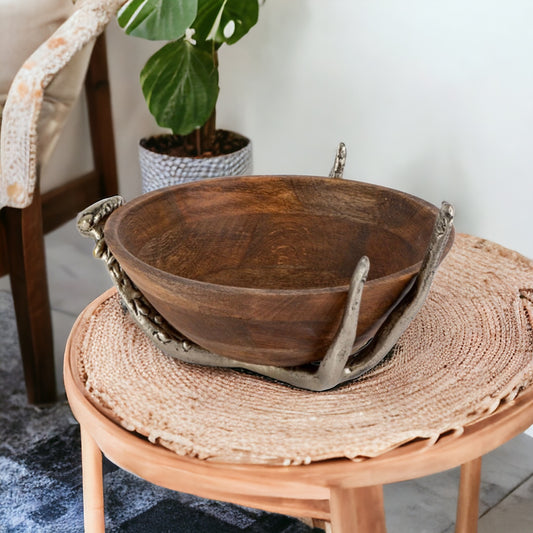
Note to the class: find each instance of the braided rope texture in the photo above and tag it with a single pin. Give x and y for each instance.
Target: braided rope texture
(469, 349)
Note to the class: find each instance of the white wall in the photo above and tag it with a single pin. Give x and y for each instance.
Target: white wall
(434, 98)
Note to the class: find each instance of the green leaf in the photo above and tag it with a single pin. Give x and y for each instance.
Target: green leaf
(215, 16)
(243, 14)
(180, 85)
(157, 19)
(206, 19)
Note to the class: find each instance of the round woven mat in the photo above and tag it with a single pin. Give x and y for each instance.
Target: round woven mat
(470, 348)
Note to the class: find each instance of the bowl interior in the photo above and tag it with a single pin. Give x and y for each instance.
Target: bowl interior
(276, 233)
(258, 268)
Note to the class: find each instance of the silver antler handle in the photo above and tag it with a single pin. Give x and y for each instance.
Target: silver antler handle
(337, 170)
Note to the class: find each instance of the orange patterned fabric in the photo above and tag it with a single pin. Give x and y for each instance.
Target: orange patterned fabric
(20, 116)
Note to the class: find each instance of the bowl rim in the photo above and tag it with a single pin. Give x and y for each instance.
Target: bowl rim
(112, 239)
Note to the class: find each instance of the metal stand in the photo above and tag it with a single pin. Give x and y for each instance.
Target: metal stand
(339, 364)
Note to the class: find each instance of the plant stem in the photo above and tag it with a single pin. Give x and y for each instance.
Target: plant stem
(203, 138)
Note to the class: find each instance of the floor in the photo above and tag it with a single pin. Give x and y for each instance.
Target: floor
(426, 505)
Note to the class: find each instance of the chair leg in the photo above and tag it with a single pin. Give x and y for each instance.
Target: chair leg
(468, 500)
(93, 484)
(29, 285)
(358, 510)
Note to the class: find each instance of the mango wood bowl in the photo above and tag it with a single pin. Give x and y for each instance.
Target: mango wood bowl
(258, 268)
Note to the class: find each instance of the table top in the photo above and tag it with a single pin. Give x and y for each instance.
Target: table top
(469, 350)
(131, 451)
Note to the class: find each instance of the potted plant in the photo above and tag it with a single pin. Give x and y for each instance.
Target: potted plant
(180, 85)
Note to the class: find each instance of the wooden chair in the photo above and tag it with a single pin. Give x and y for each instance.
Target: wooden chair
(22, 250)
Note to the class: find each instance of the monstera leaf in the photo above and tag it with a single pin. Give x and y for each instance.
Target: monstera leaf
(180, 85)
(157, 19)
(225, 21)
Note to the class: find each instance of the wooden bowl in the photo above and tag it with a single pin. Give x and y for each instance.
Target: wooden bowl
(258, 268)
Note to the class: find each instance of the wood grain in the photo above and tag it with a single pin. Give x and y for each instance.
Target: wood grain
(258, 268)
(468, 500)
(93, 493)
(358, 510)
(27, 269)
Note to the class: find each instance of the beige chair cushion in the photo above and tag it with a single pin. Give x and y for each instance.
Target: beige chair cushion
(19, 159)
(24, 25)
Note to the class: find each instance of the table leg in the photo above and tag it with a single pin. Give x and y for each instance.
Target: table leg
(357, 510)
(321, 524)
(468, 499)
(93, 484)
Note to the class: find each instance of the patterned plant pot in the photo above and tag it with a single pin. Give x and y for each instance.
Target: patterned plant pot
(161, 170)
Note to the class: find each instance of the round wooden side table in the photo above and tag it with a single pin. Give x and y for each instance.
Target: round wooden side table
(346, 494)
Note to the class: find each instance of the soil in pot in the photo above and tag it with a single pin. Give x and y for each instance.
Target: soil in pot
(224, 142)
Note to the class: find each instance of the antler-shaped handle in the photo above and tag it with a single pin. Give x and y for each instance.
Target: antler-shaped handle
(337, 170)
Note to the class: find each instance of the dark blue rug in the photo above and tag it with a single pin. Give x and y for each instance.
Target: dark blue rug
(40, 473)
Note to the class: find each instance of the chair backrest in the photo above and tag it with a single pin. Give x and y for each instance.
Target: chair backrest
(68, 50)
(24, 25)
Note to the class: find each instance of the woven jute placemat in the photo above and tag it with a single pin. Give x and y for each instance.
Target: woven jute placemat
(468, 350)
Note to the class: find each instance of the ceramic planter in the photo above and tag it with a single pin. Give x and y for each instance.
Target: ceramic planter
(161, 170)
